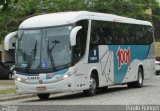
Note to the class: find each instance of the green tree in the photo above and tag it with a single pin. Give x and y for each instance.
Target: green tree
(5, 4)
(130, 8)
(15, 11)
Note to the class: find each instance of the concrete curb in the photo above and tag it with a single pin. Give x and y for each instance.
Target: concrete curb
(12, 96)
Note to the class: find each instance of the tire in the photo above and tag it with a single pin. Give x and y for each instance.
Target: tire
(103, 88)
(93, 86)
(157, 72)
(4, 72)
(10, 76)
(43, 96)
(139, 82)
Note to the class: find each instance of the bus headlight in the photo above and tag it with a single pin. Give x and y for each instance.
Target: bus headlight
(65, 76)
(19, 79)
(70, 73)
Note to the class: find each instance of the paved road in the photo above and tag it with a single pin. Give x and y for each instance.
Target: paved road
(119, 95)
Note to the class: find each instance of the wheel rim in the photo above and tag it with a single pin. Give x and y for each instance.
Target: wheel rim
(92, 85)
(140, 78)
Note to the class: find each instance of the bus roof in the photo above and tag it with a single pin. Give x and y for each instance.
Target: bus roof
(64, 18)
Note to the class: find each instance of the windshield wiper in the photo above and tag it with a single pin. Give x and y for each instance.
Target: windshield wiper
(29, 62)
(31, 56)
(50, 52)
(35, 49)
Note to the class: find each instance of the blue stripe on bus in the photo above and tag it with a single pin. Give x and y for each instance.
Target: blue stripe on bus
(61, 72)
(139, 52)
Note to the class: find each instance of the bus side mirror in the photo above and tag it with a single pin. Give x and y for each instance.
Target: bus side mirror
(74, 34)
(10, 40)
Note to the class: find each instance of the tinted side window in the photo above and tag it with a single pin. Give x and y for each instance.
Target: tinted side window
(122, 33)
(79, 49)
(113, 33)
(149, 34)
(132, 34)
(143, 35)
(101, 33)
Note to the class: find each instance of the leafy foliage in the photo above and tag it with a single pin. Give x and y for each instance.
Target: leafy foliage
(15, 11)
(4, 3)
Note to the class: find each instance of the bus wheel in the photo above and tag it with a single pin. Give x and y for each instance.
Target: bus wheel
(10, 76)
(43, 96)
(93, 86)
(139, 82)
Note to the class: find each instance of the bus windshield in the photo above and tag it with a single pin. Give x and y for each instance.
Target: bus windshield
(44, 48)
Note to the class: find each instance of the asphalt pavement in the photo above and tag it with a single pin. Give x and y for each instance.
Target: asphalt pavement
(115, 95)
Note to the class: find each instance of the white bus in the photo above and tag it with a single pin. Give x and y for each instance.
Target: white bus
(82, 51)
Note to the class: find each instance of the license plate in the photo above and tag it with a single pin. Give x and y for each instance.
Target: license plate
(41, 88)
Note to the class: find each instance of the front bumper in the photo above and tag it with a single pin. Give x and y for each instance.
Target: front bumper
(66, 85)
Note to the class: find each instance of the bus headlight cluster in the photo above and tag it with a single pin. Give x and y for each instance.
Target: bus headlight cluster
(70, 73)
(19, 79)
(65, 76)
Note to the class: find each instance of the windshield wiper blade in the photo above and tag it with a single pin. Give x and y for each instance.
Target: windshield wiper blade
(35, 49)
(29, 62)
(50, 52)
(31, 56)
